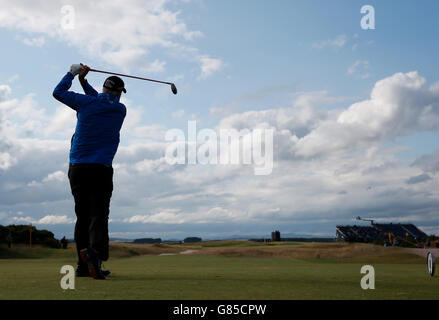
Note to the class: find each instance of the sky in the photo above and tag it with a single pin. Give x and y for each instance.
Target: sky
(354, 112)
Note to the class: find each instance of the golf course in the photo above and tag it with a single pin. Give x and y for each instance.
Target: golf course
(222, 270)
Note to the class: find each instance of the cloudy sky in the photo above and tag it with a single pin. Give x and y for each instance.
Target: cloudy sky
(355, 112)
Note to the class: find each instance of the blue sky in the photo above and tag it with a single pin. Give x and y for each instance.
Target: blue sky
(300, 67)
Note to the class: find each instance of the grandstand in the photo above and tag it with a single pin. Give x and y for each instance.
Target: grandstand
(376, 231)
(357, 234)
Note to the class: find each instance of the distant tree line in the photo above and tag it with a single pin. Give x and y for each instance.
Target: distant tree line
(158, 240)
(296, 240)
(21, 234)
(147, 241)
(192, 240)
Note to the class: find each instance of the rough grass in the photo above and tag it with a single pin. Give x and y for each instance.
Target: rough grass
(332, 251)
(124, 250)
(238, 249)
(231, 243)
(23, 252)
(117, 250)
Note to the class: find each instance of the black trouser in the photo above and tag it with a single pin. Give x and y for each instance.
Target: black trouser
(92, 186)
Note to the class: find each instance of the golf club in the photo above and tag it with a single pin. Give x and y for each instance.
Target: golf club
(173, 87)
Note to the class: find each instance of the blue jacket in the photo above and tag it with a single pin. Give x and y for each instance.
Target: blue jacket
(100, 117)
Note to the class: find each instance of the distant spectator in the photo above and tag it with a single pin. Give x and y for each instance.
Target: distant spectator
(9, 240)
(64, 242)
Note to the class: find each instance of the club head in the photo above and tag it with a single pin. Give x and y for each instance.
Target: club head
(173, 88)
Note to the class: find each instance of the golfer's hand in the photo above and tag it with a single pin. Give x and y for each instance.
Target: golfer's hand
(84, 71)
(75, 69)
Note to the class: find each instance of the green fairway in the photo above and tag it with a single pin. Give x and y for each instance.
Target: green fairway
(210, 276)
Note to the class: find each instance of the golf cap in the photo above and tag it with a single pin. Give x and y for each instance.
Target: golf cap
(114, 83)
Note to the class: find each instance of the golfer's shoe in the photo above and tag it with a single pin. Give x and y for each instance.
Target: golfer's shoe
(106, 273)
(90, 257)
(82, 270)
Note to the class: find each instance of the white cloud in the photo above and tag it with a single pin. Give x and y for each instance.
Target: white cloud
(6, 160)
(167, 216)
(58, 176)
(14, 78)
(191, 35)
(176, 216)
(178, 114)
(398, 105)
(5, 91)
(25, 109)
(123, 35)
(316, 98)
(150, 132)
(55, 220)
(63, 123)
(361, 68)
(34, 42)
(153, 166)
(133, 117)
(47, 220)
(337, 42)
(155, 66)
(209, 66)
(26, 220)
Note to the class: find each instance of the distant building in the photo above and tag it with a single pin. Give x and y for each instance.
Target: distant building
(192, 240)
(275, 236)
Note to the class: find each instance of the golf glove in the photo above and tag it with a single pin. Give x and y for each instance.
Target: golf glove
(75, 69)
